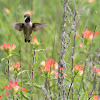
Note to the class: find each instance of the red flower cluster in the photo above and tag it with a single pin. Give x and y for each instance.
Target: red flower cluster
(89, 34)
(6, 94)
(97, 70)
(7, 48)
(16, 66)
(13, 85)
(7, 10)
(78, 67)
(34, 41)
(29, 12)
(77, 35)
(49, 64)
(96, 97)
(91, 1)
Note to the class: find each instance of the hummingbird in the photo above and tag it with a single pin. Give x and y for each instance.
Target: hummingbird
(28, 27)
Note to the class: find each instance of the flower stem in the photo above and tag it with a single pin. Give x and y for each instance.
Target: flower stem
(46, 82)
(33, 64)
(33, 71)
(8, 70)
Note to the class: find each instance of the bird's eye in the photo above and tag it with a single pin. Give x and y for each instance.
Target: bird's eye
(24, 16)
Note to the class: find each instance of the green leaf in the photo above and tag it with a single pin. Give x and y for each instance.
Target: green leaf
(39, 50)
(92, 95)
(53, 79)
(29, 84)
(86, 95)
(37, 46)
(36, 87)
(22, 72)
(25, 96)
(3, 59)
(14, 54)
(23, 81)
(75, 55)
(35, 64)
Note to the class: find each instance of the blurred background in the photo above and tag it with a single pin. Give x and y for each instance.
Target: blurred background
(49, 12)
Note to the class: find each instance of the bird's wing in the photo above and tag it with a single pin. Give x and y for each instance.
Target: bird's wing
(37, 26)
(18, 26)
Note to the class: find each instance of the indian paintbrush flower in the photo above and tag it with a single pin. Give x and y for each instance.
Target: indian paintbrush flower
(17, 65)
(34, 41)
(13, 85)
(97, 70)
(7, 48)
(81, 45)
(29, 12)
(7, 10)
(24, 89)
(91, 1)
(11, 69)
(6, 94)
(77, 35)
(79, 69)
(49, 64)
(89, 34)
(96, 97)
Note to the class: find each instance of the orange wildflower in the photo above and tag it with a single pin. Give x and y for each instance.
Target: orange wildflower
(24, 89)
(77, 35)
(49, 64)
(91, 1)
(89, 34)
(6, 94)
(97, 70)
(28, 12)
(78, 67)
(13, 85)
(7, 48)
(81, 45)
(17, 65)
(96, 97)
(11, 69)
(34, 41)
(7, 10)
(43, 63)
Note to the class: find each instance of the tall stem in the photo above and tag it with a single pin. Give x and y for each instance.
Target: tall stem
(46, 82)
(20, 67)
(33, 64)
(31, 8)
(33, 71)
(8, 70)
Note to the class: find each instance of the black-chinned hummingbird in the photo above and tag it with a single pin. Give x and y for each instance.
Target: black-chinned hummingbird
(28, 27)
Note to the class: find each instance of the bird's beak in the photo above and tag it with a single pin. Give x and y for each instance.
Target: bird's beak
(25, 18)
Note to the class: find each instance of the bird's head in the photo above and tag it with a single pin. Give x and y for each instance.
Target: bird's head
(27, 18)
